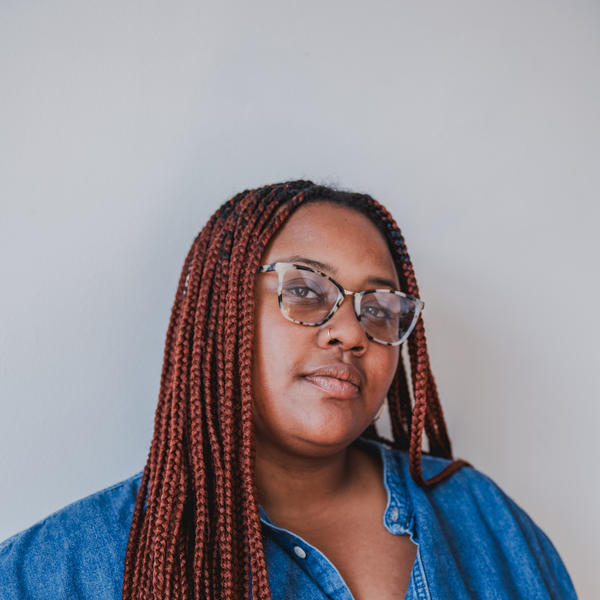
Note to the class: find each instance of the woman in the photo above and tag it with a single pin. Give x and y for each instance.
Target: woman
(266, 477)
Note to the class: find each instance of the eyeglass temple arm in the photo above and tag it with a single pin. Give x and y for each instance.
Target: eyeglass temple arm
(266, 268)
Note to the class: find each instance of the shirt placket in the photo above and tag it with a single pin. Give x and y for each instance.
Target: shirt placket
(311, 560)
(399, 519)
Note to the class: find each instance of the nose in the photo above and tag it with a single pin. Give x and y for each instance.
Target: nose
(346, 329)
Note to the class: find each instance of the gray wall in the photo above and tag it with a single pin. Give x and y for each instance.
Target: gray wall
(125, 124)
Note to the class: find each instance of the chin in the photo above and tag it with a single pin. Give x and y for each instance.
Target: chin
(330, 437)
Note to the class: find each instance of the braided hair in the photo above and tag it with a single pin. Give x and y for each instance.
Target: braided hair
(196, 532)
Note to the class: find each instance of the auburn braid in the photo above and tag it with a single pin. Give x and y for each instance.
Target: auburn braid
(196, 532)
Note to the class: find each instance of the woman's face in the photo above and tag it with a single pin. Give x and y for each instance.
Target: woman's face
(298, 406)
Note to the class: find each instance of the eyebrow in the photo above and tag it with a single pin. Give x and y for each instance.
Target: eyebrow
(311, 262)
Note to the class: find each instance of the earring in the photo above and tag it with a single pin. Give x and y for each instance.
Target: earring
(379, 412)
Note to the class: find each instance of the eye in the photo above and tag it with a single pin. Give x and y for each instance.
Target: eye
(306, 289)
(301, 292)
(377, 312)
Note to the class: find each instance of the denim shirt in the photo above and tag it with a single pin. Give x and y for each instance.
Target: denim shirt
(472, 541)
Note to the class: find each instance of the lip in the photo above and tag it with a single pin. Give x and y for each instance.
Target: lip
(339, 379)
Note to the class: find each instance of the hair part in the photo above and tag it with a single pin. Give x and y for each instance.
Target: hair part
(196, 530)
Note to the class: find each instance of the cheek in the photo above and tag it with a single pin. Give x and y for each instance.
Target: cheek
(385, 364)
(273, 355)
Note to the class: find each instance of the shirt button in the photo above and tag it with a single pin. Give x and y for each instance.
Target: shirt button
(299, 552)
(394, 514)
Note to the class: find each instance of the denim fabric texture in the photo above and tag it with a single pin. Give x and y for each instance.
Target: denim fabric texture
(473, 542)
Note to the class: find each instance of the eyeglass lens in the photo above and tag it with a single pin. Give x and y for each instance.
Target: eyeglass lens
(309, 298)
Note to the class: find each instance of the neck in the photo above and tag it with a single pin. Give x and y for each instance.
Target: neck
(291, 485)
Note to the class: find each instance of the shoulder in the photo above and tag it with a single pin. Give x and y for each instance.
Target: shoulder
(467, 482)
(468, 496)
(470, 506)
(76, 552)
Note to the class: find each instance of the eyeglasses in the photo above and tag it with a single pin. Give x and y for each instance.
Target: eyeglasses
(310, 297)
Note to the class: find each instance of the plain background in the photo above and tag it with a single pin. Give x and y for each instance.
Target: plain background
(124, 125)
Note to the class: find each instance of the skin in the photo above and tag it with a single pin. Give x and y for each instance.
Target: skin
(305, 467)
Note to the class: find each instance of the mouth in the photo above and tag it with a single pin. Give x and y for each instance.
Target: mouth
(338, 380)
(335, 387)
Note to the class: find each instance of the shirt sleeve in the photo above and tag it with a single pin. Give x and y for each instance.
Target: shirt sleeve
(530, 559)
(77, 552)
(479, 543)
(550, 566)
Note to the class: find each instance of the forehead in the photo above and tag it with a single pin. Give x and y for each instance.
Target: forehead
(335, 235)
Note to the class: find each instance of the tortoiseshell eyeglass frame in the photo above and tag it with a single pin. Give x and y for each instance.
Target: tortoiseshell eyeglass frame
(282, 267)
